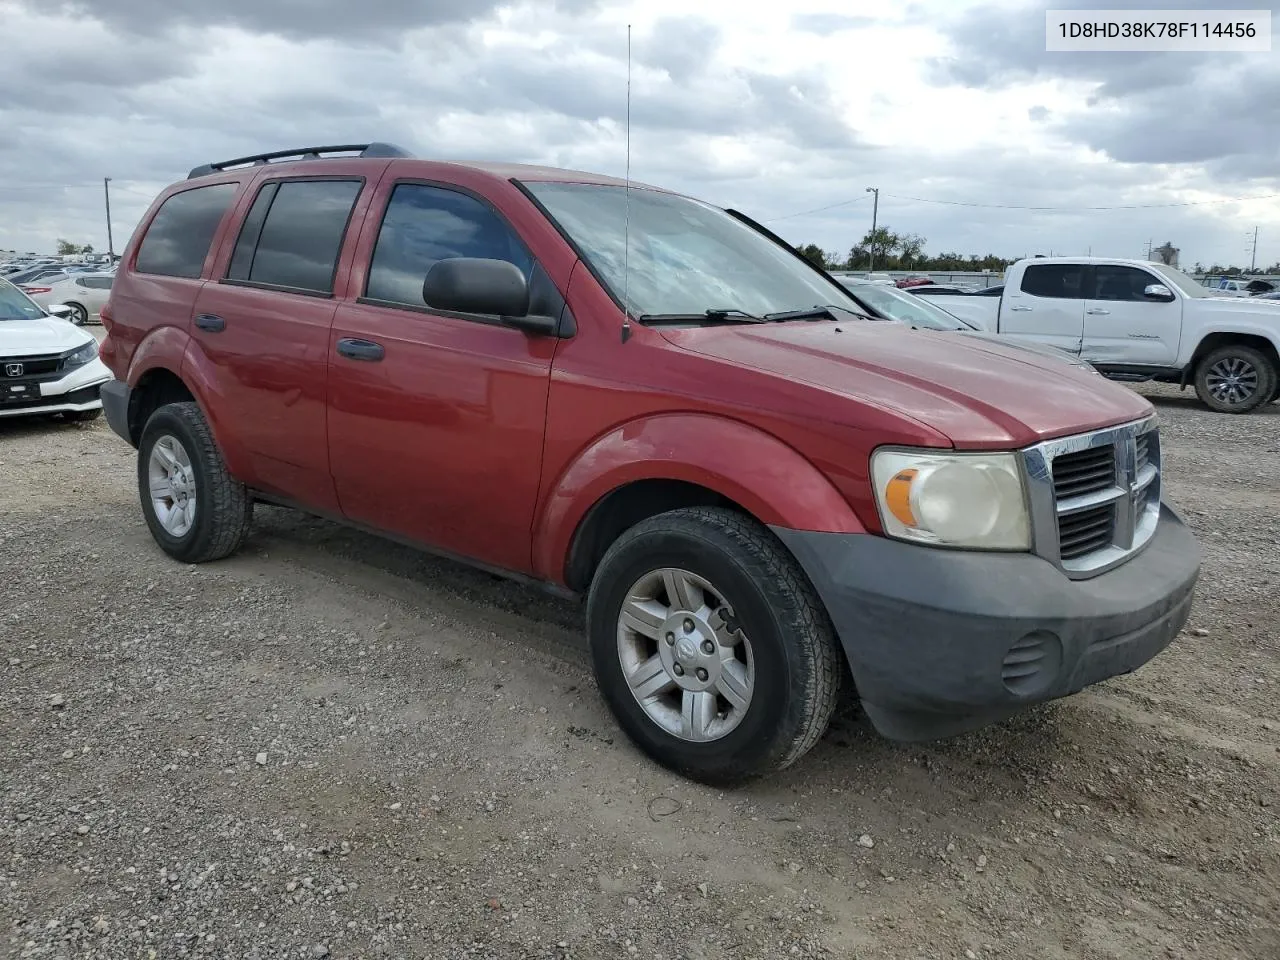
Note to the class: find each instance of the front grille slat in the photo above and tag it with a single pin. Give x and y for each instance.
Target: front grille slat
(1086, 531)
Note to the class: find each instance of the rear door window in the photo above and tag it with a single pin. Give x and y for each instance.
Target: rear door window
(293, 234)
(1063, 281)
(178, 239)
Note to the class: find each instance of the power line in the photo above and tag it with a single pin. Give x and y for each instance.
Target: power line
(805, 213)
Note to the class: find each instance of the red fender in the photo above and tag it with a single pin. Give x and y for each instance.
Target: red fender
(752, 468)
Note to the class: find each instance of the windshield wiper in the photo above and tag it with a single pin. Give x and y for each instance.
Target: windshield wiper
(829, 311)
(718, 314)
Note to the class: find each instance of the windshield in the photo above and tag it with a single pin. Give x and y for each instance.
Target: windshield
(906, 307)
(16, 305)
(686, 257)
(1178, 279)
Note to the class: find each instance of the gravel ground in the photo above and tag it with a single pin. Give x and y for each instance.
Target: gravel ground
(333, 746)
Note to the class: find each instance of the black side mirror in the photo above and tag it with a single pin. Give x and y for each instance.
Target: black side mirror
(474, 285)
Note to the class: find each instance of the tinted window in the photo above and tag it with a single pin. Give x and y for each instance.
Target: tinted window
(1062, 280)
(179, 237)
(1121, 283)
(247, 242)
(95, 283)
(426, 224)
(302, 234)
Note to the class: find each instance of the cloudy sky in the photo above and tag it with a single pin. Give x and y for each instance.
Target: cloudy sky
(776, 108)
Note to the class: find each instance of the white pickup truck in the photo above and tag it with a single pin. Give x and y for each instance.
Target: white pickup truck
(1135, 320)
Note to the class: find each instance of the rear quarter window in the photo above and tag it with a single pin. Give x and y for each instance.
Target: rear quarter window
(178, 239)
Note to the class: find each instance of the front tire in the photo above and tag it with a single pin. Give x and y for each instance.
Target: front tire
(195, 510)
(711, 647)
(1235, 379)
(82, 416)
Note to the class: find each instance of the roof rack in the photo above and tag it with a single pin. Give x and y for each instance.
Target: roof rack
(365, 150)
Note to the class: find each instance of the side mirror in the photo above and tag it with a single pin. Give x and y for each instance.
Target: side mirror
(59, 310)
(474, 285)
(1158, 291)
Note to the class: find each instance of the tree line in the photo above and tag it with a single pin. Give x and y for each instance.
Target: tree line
(905, 251)
(898, 251)
(68, 249)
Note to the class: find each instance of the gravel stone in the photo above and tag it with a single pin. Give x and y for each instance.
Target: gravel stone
(1129, 820)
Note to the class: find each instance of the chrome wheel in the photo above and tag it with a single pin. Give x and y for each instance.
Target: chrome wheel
(683, 655)
(172, 482)
(79, 315)
(1232, 380)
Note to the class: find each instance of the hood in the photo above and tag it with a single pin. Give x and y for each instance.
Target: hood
(1264, 310)
(1041, 349)
(981, 393)
(46, 335)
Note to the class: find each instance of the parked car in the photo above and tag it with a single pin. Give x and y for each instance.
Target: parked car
(84, 293)
(1243, 287)
(889, 303)
(35, 275)
(765, 499)
(954, 290)
(1135, 320)
(47, 365)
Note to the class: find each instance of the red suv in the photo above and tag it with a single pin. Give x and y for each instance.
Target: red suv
(769, 500)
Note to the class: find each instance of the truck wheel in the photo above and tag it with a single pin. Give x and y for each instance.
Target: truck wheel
(711, 647)
(195, 510)
(1235, 379)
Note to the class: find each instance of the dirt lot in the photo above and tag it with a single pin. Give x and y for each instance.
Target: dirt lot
(331, 746)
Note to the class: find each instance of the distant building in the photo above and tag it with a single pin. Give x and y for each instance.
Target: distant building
(1166, 253)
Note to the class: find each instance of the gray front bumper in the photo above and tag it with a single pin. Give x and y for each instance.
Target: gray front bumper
(944, 641)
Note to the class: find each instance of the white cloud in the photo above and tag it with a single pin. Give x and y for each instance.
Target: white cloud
(773, 108)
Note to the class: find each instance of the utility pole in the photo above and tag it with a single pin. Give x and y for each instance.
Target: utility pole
(1253, 260)
(875, 210)
(1149, 244)
(106, 193)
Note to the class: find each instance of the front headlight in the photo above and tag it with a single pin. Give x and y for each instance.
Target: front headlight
(82, 355)
(973, 500)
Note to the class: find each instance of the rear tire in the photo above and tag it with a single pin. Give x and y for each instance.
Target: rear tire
(195, 510)
(752, 686)
(1235, 379)
(79, 315)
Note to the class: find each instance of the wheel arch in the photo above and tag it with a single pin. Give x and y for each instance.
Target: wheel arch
(661, 463)
(1226, 338)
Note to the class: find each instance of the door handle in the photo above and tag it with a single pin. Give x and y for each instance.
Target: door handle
(1019, 309)
(211, 323)
(354, 349)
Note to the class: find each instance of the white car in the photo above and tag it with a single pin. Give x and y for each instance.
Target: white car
(47, 364)
(85, 293)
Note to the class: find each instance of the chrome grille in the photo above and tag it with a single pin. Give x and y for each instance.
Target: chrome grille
(1095, 497)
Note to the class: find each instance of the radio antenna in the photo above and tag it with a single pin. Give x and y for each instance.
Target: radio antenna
(626, 226)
